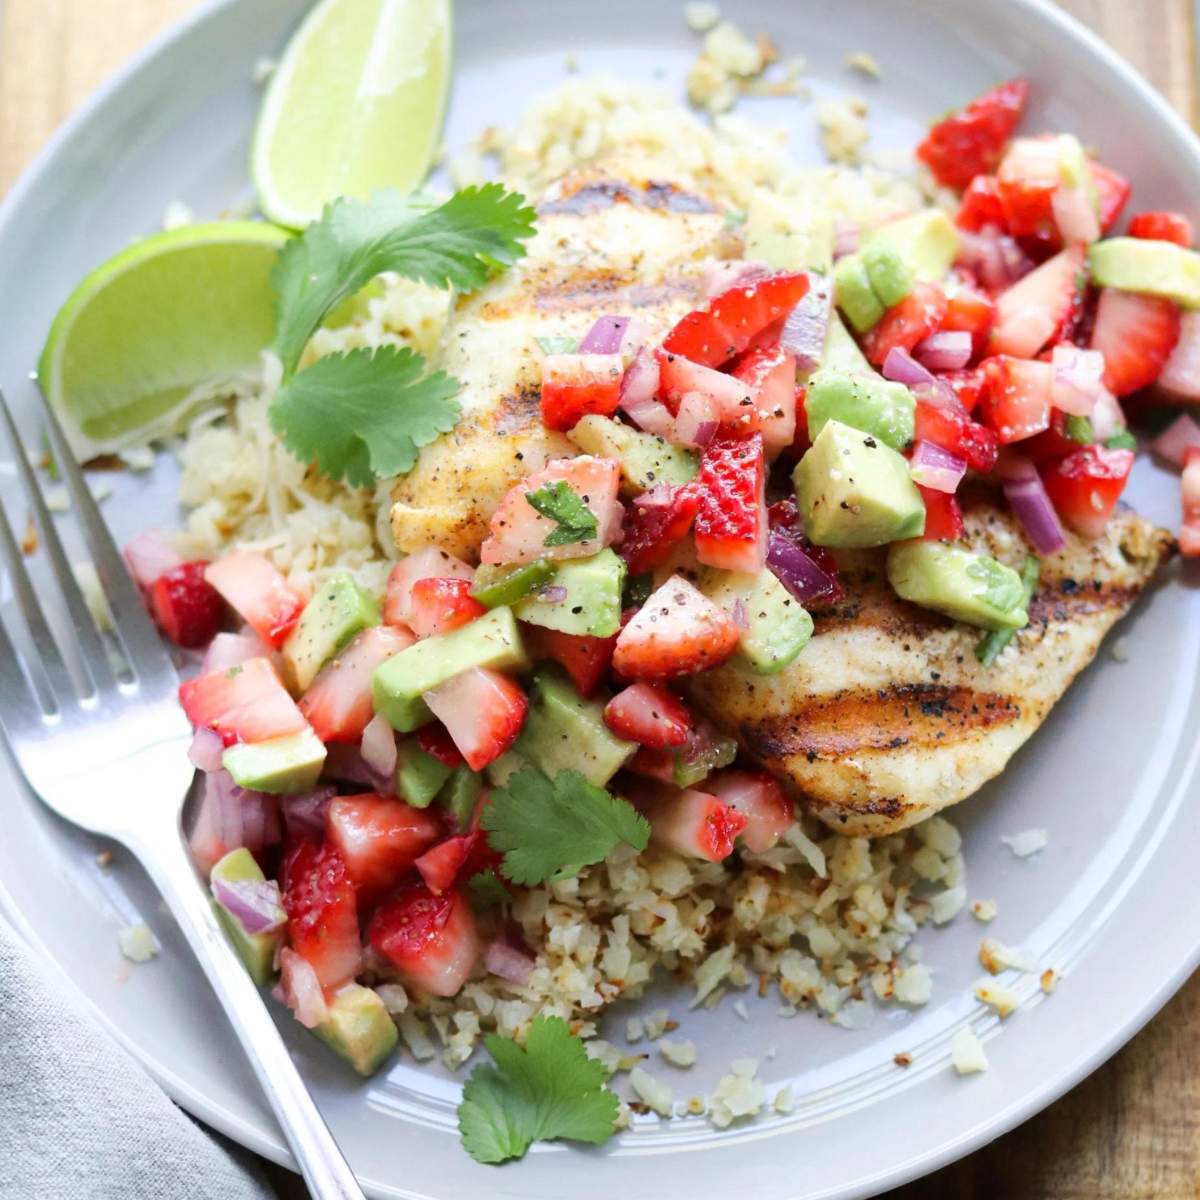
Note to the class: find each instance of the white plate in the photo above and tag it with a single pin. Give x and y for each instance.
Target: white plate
(1113, 775)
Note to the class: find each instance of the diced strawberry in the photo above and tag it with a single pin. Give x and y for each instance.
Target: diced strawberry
(149, 555)
(586, 659)
(678, 631)
(1026, 180)
(771, 373)
(519, 531)
(697, 417)
(953, 430)
(731, 522)
(1189, 531)
(1016, 402)
(577, 385)
(244, 704)
(760, 799)
(678, 377)
(1162, 227)
(655, 523)
(972, 311)
(431, 940)
(1136, 334)
(1053, 443)
(425, 564)
(1112, 191)
(695, 824)
(1041, 307)
(712, 337)
(1085, 486)
(918, 315)
(185, 606)
(440, 605)
(943, 516)
(968, 385)
(441, 865)
(338, 703)
(483, 712)
(649, 714)
(970, 142)
(434, 738)
(228, 650)
(980, 206)
(378, 838)
(255, 589)
(320, 902)
(801, 442)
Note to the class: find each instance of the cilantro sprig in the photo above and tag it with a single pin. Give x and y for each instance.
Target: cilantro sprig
(550, 829)
(548, 1089)
(562, 503)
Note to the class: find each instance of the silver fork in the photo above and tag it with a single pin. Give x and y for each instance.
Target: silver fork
(108, 752)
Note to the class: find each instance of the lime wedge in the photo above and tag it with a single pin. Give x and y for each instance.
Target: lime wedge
(154, 322)
(355, 105)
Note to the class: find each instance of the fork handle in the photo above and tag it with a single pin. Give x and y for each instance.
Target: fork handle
(321, 1162)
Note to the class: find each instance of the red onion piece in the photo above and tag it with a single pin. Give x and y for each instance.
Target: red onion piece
(1033, 509)
(1180, 375)
(1075, 215)
(255, 903)
(720, 275)
(304, 812)
(301, 989)
(150, 555)
(933, 467)
(508, 963)
(900, 367)
(346, 763)
(1078, 379)
(696, 422)
(1172, 445)
(241, 813)
(847, 237)
(605, 336)
(806, 325)
(740, 617)
(1108, 417)
(996, 259)
(803, 577)
(229, 650)
(206, 750)
(204, 841)
(378, 747)
(552, 593)
(946, 350)
(639, 388)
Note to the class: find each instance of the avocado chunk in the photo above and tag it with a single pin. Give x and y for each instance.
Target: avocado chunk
(398, 684)
(496, 586)
(256, 950)
(841, 351)
(359, 1028)
(926, 242)
(867, 402)
(969, 587)
(284, 764)
(854, 491)
(854, 294)
(1142, 265)
(788, 236)
(461, 794)
(337, 611)
(591, 605)
(776, 626)
(564, 732)
(891, 277)
(645, 459)
(419, 776)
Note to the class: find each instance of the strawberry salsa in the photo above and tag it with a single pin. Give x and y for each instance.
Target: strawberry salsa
(381, 779)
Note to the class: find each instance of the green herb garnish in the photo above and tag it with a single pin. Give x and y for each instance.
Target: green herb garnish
(561, 503)
(990, 645)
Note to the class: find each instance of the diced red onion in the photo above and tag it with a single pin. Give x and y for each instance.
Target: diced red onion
(206, 750)
(605, 336)
(933, 467)
(1078, 379)
(204, 840)
(1172, 445)
(508, 963)
(1029, 501)
(1180, 375)
(639, 387)
(346, 763)
(242, 814)
(301, 989)
(946, 350)
(255, 903)
(900, 367)
(696, 422)
(720, 275)
(806, 325)
(997, 260)
(636, 335)
(740, 617)
(304, 812)
(378, 746)
(150, 555)
(1108, 418)
(803, 577)
(229, 650)
(847, 236)
(1075, 215)
(552, 593)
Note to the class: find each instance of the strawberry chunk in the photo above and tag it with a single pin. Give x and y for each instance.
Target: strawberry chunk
(1053, 443)
(441, 866)
(586, 659)
(918, 315)
(731, 522)
(483, 712)
(1136, 334)
(971, 141)
(770, 374)
(320, 902)
(436, 741)
(678, 631)
(650, 715)
(1042, 307)
(1026, 181)
(971, 311)
(1084, 487)
(655, 523)
(378, 838)
(1162, 227)
(695, 824)
(1016, 402)
(440, 605)
(726, 396)
(185, 606)
(577, 385)
(980, 206)
(1189, 531)
(244, 704)
(431, 940)
(256, 590)
(758, 797)
(1112, 191)
(968, 385)
(943, 516)
(425, 564)
(338, 703)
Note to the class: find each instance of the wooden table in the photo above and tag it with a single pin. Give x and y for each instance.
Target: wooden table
(1131, 1131)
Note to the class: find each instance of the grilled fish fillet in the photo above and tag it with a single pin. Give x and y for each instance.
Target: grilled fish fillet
(887, 716)
(610, 241)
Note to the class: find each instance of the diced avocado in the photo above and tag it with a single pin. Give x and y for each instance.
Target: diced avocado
(645, 459)
(776, 626)
(460, 795)
(867, 402)
(398, 684)
(690, 771)
(841, 350)
(496, 586)
(419, 776)
(337, 611)
(284, 764)
(787, 235)
(966, 586)
(891, 277)
(256, 950)
(500, 770)
(854, 294)
(359, 1028)
(926, 241)
(565, 732)
(854, 491)
(592, 604)
(1142, 265)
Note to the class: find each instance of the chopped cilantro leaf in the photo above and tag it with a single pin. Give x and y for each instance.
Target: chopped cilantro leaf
(487, 890)
(549, 830)
(548, 1089)
(987, 650)
(557, 345)
(561, 502)
(1121, 441)
(1079, 429)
